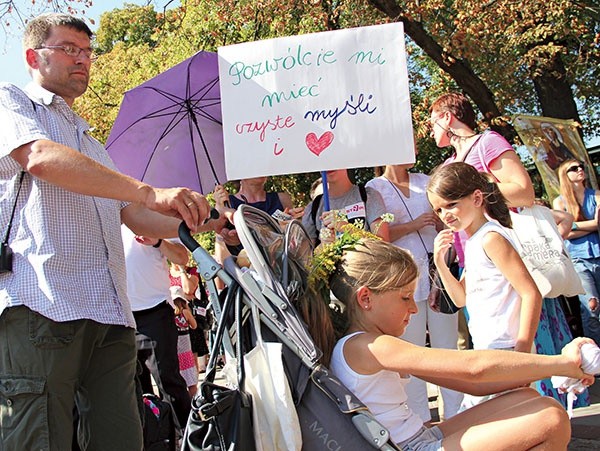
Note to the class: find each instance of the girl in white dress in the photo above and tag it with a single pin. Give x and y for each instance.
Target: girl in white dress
(503, 301)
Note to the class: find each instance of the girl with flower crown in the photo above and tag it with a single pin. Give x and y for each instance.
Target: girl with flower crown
(376, 282)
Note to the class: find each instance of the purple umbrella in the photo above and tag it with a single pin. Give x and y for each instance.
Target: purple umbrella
(169, 132)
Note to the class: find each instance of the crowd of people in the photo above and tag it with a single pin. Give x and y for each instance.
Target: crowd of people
(95, 281)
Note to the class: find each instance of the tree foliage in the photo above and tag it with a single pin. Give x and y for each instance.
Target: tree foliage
(131, 26)
(508, 56)
(512, 56)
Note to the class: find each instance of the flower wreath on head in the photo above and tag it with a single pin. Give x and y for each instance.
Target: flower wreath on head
(327, 257)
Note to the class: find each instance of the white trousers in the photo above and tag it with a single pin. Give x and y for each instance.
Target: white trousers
(443, 334)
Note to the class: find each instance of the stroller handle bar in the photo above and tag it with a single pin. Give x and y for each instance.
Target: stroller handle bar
(185, 235)
(208, 268)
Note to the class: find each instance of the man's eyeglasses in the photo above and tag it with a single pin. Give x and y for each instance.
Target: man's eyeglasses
(575, 168)
(72, 50)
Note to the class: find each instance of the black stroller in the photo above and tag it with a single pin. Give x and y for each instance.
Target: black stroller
(330, 416)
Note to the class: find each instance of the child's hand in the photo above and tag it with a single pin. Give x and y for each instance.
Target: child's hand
(586, 380)
(328, 217)
(295, 213)
(442, 243)
(230, 237)
(573, 351)
(334, 219)
(221, 197)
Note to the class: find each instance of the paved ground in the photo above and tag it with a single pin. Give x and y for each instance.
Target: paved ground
(585, 424)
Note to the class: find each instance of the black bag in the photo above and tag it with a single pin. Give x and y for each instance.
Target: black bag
(159, 427)
(439, 300)
(221, 417)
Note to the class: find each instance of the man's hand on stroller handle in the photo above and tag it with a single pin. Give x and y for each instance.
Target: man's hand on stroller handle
(183, 203)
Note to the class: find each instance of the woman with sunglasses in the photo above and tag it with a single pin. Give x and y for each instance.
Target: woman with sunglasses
(583, 242)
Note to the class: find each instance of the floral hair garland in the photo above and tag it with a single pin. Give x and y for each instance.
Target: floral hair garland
(327, 257)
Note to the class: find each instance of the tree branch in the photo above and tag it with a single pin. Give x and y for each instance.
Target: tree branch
(457, 68)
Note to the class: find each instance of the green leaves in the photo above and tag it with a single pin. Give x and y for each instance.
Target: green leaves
(497, 48)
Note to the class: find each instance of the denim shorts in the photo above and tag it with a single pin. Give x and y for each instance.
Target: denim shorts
(426, 439)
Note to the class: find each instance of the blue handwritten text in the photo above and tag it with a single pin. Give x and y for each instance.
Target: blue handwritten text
(351, 107)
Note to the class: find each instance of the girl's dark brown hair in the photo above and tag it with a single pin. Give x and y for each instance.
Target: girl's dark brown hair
(179, 305)
(458, 180)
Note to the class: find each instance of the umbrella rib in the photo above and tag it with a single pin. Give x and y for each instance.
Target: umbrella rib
(172, 124)
(158, 113)
(178, 102)
(214, 101)
(212, 168)
(192, 115)
(201, 112)
(183, 104)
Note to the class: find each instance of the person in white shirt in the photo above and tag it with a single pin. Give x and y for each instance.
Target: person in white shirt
(503, 301)
(148, 288)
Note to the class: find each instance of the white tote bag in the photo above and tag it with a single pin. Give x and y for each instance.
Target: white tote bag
(276, 424)
(544, 253)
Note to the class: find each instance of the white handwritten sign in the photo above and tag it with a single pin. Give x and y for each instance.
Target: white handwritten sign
(316, 102)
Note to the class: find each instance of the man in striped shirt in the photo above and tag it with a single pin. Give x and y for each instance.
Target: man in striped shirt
(66, 326)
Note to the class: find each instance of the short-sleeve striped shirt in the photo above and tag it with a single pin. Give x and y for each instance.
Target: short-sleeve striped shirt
(68, 260)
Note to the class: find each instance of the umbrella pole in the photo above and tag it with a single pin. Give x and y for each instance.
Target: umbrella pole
(325, 191)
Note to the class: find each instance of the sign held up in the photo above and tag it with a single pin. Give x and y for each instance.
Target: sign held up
(316, 102)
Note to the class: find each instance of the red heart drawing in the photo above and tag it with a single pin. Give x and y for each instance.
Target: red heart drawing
(318, 145)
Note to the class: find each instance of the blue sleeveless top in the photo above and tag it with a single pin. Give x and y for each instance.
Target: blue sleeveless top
(587, 246)
(270, 205)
